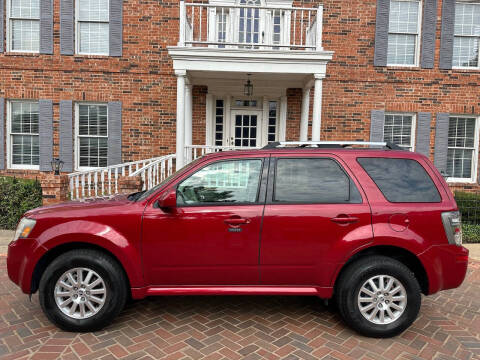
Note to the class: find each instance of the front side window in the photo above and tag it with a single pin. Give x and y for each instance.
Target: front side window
(311, 180)
(23, 130)
(466, 34)
(224, 182)
(403, 32)
(401, 180)
(399, 130)
(461, 148)
(24, 25)
(92, 141)
(92, 27)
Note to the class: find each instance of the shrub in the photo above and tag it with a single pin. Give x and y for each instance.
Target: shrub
(16, 197)
(469, 206)
(471, 233)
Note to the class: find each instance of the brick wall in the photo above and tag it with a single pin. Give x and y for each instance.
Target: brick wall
(143, 79)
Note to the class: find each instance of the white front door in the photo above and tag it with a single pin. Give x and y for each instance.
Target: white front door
(246, 128)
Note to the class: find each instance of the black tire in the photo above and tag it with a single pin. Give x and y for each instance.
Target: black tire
(352, 280)
(107, 268)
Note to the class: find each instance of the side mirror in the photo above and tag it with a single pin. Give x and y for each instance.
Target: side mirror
(168, 202)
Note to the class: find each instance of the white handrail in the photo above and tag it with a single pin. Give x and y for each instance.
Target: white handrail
(155, 172)
(102, 181)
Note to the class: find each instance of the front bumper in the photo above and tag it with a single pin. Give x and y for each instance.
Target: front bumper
(23, 255)
(446, 266)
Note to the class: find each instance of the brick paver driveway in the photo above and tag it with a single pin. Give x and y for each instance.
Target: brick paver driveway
(241, 328)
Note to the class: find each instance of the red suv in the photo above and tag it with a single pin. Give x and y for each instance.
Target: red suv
(371, 228)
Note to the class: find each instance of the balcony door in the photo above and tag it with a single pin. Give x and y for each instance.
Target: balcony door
(251, 23)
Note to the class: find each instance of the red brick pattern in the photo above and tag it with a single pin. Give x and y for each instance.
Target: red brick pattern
(242, 328)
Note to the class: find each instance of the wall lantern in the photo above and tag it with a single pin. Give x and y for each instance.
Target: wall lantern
(57, 165)
(248, 87)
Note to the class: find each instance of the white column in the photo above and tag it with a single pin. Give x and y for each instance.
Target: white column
(181, 74)
(210, 125)
(317, 108)
(188, 114)
(282, 128)
(304, 116)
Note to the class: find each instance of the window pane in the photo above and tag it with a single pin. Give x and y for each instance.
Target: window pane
(465, 51)
(398, 130)
(25, 35)
(461, 146)
(93, 151)
(401, 49)
(401, 180)
(25, 150)
(92, 120)
(24, 117)
(222, 182)
(94, 38)
(219, 122)
(93, 10)
(467, 19)
(313, 181)
(404, 17)
(27, 9)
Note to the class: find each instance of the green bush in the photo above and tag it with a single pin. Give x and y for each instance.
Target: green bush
(469, 206)
(16, 197)
(471, 233)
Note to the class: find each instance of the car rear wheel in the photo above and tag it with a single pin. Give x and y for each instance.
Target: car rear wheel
(378, 296)
(83, 290)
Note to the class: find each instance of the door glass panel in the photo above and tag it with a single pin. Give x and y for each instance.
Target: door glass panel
(246, 130)
(320, 181)
(249, 23)
(228, 182)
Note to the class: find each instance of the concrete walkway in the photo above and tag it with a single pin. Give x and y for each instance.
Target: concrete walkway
(6, 236)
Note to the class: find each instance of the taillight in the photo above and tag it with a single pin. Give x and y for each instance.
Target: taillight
(452, 222)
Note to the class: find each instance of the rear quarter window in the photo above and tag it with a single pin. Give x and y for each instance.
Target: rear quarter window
(401, 180)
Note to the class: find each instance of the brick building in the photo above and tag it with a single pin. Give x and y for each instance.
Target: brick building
(105, 82)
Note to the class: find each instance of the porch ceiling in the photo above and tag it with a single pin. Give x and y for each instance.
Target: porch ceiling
(227, 62)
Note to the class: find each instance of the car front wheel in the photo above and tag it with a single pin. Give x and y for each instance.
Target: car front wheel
(378, 296)
(83, 290)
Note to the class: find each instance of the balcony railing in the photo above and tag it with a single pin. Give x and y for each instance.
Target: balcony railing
(250, 27)
(193, 152)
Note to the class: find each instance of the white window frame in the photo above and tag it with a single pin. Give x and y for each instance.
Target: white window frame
(9, 31)
(473, 179)
(78, 136)
(467, 36)
(10, 164)
(413, 132)
(418, 36)
(77, 31)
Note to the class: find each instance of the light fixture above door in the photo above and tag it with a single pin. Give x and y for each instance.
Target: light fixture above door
(248, 87)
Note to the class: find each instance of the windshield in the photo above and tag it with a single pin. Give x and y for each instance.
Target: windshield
(147, 193)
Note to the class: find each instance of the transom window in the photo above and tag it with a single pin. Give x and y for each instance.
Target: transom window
(23, 134)
(466, 35)
(23, 25)
(399, 129)
(92, 17)
(92, 142)
(225, 182)
(403, 32)
(462, 148)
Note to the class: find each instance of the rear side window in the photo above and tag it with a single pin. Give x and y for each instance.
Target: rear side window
(313, 180)
(401, 180)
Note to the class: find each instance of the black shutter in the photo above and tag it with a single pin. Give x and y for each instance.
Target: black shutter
(45, 132)
(66, 27)
(422, 144)
(448, 27)
(377, 122)
(441, 141)
(381, 33)
(428, 34)
(66, 135)
(114, 133)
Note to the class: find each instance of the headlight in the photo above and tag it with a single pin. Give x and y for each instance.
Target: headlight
(24, 228)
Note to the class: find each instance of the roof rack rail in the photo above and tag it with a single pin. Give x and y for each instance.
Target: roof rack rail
(331, 144)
